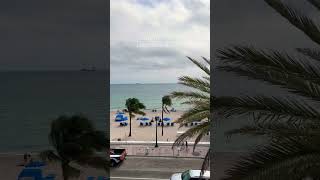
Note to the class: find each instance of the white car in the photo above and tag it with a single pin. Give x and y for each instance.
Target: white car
(191, 175)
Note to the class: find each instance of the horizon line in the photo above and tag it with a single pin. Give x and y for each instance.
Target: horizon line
(143, 83)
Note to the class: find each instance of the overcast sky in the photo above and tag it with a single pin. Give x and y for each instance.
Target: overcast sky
(150, 39)
(52, 34)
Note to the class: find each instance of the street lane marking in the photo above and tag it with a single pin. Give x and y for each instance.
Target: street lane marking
(136, 178)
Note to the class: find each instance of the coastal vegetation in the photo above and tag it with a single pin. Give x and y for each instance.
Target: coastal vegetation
(75, 141)
(134, 106)
(166, 101)
(198, 98)
(291, 123)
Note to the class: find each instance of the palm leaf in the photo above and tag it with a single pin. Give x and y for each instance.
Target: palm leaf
(297, 19)
(50, 156)
(309, 52)
(267, 109)
(202, 66)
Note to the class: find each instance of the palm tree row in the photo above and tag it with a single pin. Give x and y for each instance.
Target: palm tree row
(134, 107)
(290, 123)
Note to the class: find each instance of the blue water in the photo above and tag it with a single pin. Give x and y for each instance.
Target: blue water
(149, 94)
(30, 100)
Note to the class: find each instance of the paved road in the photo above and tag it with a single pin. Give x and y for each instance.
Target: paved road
(157, 168)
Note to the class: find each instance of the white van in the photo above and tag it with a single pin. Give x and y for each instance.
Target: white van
(191, 175)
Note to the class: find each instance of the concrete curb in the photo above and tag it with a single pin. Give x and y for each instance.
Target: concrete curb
(173, 157)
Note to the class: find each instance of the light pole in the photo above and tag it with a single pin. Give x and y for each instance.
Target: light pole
(157, 120)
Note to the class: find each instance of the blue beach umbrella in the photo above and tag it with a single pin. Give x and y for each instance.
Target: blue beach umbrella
(35, 164)
(166, 119)
(120, 118)
(144, 119)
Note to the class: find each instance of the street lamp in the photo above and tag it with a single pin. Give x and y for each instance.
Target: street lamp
(157, 120)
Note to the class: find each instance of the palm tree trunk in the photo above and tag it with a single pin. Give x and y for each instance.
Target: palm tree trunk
(162, 121)
(64, 167)
(130, 125)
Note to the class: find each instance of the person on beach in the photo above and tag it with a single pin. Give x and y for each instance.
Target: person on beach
(25, 158)
(30, 158)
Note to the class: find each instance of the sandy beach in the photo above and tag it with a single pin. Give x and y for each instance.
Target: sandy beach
(10, 164)
(146, 133)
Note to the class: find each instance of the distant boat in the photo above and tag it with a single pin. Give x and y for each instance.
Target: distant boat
(88, 70)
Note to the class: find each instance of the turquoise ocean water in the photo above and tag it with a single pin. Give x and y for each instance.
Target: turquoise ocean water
(29, 101)
(149, 94)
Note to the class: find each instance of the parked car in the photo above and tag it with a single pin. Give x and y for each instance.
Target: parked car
(191, 175)
(117, 156)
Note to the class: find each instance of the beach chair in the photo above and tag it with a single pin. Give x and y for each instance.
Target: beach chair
(158, 124)
(125, 124)
(141, 124)
(168, 124)
(150, 123)
(172, 124)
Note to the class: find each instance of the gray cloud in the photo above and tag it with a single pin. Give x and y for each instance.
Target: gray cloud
(52, 34)
(157, 36)
(124, 54)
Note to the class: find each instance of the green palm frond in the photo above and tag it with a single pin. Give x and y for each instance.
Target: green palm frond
(94, 161)
(300, 21)
(196, 83)
(293, 84)
(202, 66)
(207, 60)
(69, 171)
(73, 138)
(310, 52)
(189, 95)
(269, 160)
(198, 99)
(252, 58)
(267, 109)
(49, 155)
(277, 130)
(199, 130)
(195, 114)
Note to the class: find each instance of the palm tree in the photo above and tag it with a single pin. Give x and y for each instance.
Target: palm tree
(198, 98)
(166, 101)
(134, 106)
(76, 141)
(290, 123)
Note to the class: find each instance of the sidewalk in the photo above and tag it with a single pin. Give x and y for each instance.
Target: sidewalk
(164, 150)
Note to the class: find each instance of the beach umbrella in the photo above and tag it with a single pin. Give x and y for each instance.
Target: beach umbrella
(35, 164)
(144, 119)
(121, 118)
(167, 119)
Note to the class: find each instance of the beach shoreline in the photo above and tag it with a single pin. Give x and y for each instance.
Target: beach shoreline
(147, 133)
